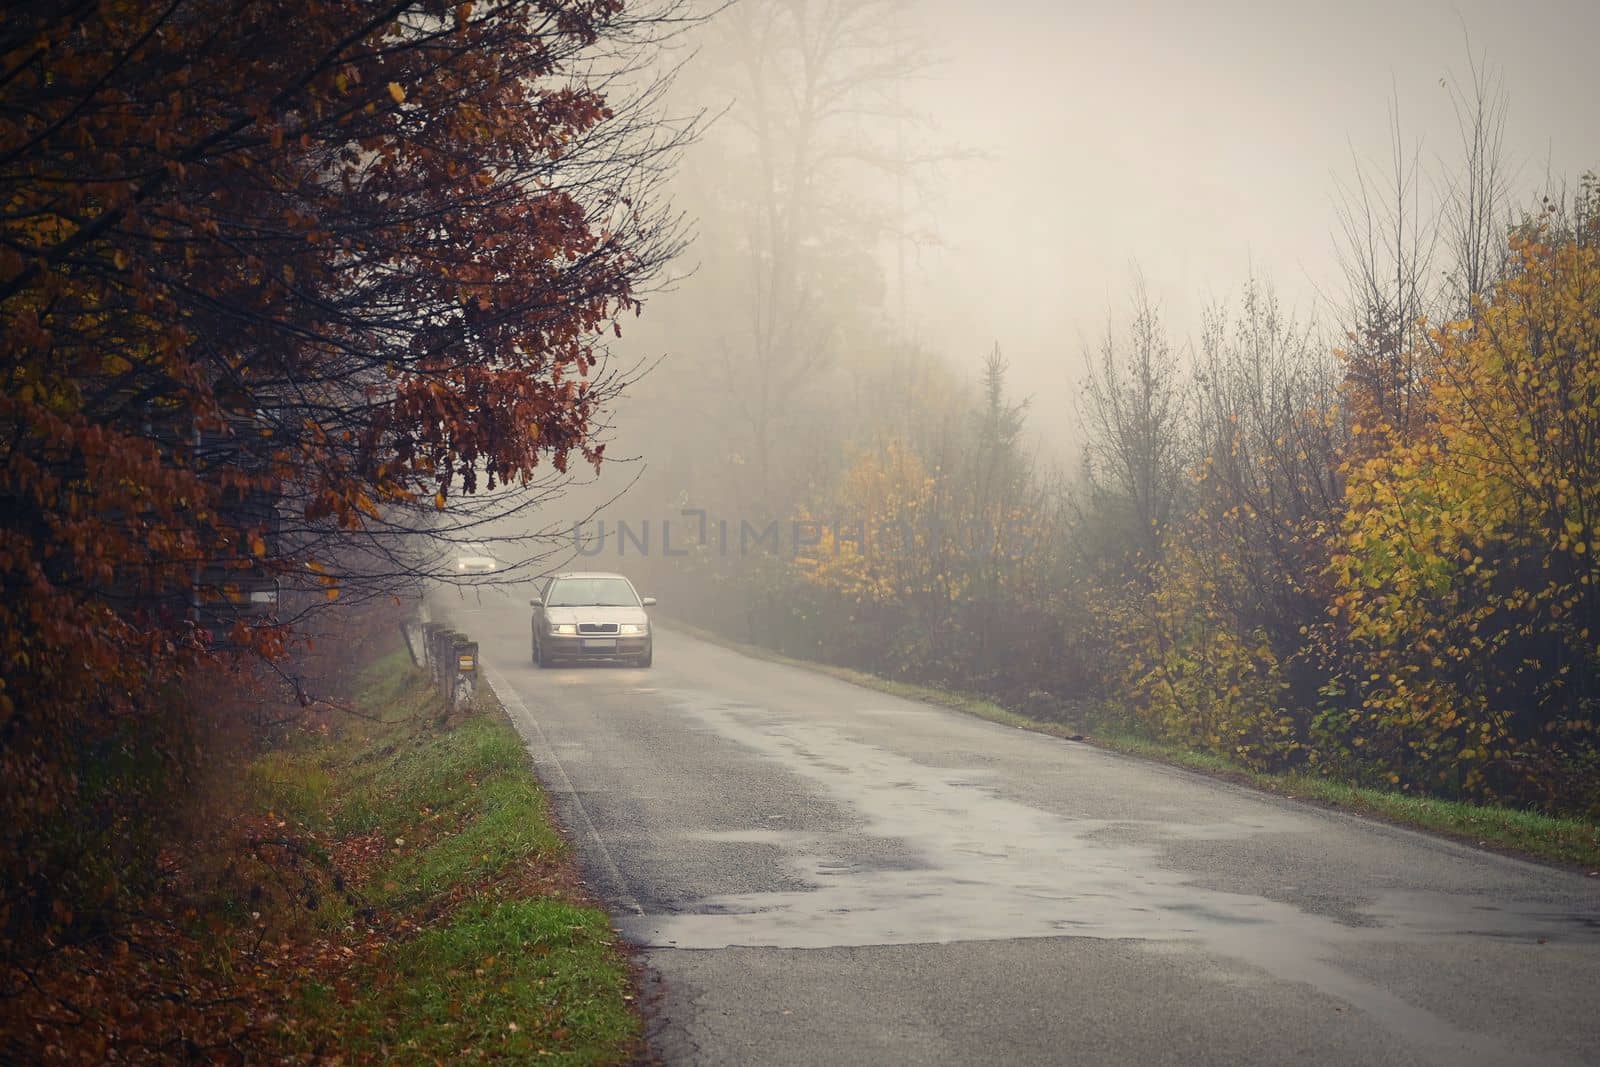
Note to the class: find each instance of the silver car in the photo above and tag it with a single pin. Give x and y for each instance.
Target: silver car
(474, 557)
(591, 615)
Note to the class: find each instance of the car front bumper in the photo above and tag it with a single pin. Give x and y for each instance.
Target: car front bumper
(561, 646)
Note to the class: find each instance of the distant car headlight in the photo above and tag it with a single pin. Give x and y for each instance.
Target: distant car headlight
(630, 628)
(461, 564)
(566, 629)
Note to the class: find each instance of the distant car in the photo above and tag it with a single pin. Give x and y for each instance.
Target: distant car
(474, 558)
(591, 616)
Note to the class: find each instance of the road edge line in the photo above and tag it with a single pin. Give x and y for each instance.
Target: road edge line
(521, 713)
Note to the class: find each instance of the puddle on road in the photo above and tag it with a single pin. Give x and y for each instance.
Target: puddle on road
(992, 868)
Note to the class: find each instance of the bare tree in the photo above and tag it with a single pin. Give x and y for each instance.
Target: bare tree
(1390, 238)
(1387, 244)
(1475, 213)
(816, 84)
(1267, 402)
(1136, 409)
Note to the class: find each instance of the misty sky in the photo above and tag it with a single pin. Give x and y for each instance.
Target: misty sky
(1195, 140)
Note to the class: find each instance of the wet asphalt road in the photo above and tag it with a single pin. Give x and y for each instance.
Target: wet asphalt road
(822, 874)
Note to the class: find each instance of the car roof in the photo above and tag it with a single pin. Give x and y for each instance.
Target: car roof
(589, 574)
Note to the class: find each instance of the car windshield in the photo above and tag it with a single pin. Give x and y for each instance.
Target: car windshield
(591, 592)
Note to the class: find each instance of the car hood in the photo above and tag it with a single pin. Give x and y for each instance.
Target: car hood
(595, 614)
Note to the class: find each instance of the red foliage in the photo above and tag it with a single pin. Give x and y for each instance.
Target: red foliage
(341, 257)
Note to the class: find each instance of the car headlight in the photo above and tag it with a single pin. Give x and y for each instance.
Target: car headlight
(630, 628)
(566, 629)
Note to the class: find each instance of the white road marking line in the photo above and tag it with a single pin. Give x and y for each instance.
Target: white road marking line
(520, 713)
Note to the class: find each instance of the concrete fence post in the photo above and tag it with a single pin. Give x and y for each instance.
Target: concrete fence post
(430, 661)
(452, 661)
(464, 653)
(447, 668)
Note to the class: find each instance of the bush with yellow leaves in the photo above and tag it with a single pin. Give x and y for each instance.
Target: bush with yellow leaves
(1467, 584)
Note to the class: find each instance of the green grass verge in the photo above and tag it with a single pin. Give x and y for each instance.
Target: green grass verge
(1527, 834)
(513, 979)
(451, 866)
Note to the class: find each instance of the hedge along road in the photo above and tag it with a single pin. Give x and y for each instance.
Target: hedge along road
(820, 873)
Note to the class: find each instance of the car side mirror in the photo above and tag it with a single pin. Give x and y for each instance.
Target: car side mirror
(649, 601)
(535, 603)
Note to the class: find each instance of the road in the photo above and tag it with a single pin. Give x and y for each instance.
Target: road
(817, 873)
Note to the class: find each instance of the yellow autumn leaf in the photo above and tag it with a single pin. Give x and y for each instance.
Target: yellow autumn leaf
(398, 93)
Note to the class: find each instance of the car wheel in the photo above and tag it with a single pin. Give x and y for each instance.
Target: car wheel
(649, 655)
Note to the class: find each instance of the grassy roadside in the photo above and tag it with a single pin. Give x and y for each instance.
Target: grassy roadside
(443, 836)
(371, 888)
(1573, 843)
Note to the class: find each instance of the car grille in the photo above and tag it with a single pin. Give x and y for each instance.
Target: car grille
(597, 627)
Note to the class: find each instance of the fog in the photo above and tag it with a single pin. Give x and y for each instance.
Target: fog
(1202, 142)
(1066, 147)
(982, 178)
